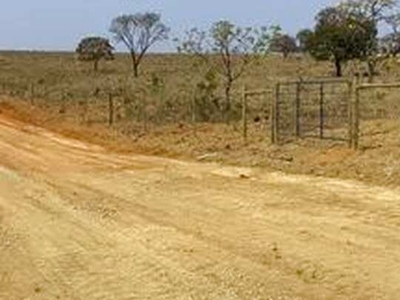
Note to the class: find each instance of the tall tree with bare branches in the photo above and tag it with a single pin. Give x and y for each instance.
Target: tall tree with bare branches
(374, 10)
(226, 48)
(139, 32)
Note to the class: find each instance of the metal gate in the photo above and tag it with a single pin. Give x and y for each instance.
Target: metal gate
(311, 109)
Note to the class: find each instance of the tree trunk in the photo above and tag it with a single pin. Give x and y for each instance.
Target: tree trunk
(338, 67)
(228, 89)
(136, 70)
(371, 71)
(135, 64)
(96, 65)
(285, 54)
(110, 109)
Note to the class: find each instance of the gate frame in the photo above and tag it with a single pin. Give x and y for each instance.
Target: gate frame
(245, 95)
(275, 114)
(358, 87)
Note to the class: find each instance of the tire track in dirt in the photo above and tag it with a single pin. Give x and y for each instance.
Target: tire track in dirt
(87, 224)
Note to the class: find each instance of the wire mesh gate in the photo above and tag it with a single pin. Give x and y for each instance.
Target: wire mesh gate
(311, 109)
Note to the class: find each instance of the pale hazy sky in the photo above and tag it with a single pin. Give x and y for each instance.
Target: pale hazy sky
(59, 24)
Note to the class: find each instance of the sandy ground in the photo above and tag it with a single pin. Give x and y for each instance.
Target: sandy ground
(78, 222)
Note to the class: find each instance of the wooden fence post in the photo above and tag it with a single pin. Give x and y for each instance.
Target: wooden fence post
(351, 93)
(194, 106)
(32, 93)
(63, 105)
(321, 111)
(110, 109)
(145, 116)
(356, 119)
(297, 110)
(354, 113)
(275, 115)
(244, 112)
(266, 117)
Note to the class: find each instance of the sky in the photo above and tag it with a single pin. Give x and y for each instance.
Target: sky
(60, 24)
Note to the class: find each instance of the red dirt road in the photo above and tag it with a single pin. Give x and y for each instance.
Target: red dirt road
(77, 222)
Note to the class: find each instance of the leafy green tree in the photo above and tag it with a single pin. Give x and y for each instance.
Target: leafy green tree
(139, 32)
(377, 12)
(95, 49)
(340, 36)
(283, 43)
(228, 49)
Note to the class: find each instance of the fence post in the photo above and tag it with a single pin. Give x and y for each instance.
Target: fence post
(357, 118)
(145, 117)
(321, 111)
(351, 93)
(297, 110)
(244, 112)
(193, 104)
(275, 115)
(32, 93)
(110, 109)
(63, 105)
(266, 112)
(354, 113)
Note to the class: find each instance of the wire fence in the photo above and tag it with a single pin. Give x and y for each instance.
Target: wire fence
(139, 104)
(342, 110)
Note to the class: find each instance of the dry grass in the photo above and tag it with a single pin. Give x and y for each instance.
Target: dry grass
(166, 88)
(153, 114)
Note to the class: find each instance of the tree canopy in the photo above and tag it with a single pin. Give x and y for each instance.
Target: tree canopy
(374, 10)
(226, 48)
(283, 43)
(138, 32)
(94, 49)
(341, 36)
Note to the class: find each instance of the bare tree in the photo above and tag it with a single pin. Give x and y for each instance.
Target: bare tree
(227, 48)
(94, 49)
(139, 32)
(390, 43)
(375, 10)
(393, 21)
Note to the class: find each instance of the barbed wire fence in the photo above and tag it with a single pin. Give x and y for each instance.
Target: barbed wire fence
(348, 111)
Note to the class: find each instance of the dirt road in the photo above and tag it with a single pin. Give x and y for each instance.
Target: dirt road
(79, 223)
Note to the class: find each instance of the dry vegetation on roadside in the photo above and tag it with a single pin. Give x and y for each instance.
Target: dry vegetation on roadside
(72, 100)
